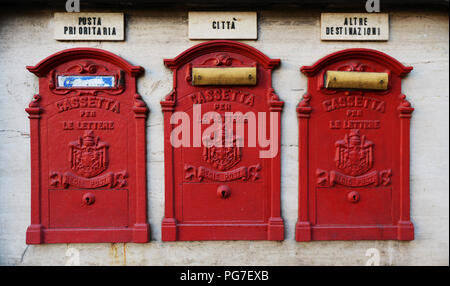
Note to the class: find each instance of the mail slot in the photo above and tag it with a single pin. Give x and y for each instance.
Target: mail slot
(87, 136)
(229, 190)
(224, 76)
(356, 80)
(354, 149)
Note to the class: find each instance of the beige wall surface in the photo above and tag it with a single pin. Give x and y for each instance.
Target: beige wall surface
(419, 39)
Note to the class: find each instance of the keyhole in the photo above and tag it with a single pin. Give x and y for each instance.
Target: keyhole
(223, 191)
(224, 194)
(353, 197)
(89, 198)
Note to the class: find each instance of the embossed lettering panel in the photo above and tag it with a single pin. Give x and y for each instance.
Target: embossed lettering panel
(354, 153)
(88, 150)
(228, 191)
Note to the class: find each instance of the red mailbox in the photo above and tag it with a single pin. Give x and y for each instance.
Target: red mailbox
(88, 158)
(354, 149)
(229, 191)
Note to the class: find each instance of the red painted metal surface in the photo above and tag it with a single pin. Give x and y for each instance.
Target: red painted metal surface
(88, 150)
(236, 197)
(354, 154)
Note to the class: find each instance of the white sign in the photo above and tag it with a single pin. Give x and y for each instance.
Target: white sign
(354, 26)
(223, 25)
(89, 26)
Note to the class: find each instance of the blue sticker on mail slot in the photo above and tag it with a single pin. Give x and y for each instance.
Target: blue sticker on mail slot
(86, 81)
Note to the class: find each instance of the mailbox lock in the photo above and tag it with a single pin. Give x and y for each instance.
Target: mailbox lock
(353, 197)
(89, 198)
(223, 191)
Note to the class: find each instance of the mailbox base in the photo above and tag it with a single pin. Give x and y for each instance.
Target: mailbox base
(276, 229)
(303, 231)
(231, 231)
(403, 231)
(139, 234)
(169, 229)
(35, 234)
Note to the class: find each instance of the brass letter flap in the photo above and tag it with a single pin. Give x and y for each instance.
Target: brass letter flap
(224, 76)
(356, 80)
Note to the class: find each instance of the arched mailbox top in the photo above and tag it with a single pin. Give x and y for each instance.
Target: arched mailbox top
(365, 54)
(221, 46)
(61, 57)
(86, 71)
(225, 65)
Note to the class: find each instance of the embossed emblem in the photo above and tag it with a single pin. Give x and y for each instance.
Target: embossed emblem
(354, 154)
(88, 159)
(224, 157)
(88, 155)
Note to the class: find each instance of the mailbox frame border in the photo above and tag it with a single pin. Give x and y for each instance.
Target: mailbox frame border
(304, 229)
(274, 229)
(36, 232)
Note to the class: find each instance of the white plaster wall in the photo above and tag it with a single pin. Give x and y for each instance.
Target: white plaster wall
(419, 39)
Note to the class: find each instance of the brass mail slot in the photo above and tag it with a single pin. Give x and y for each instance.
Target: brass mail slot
(224, 76)
(356, 80)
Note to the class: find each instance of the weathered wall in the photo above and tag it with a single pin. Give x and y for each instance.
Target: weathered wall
(417, 39)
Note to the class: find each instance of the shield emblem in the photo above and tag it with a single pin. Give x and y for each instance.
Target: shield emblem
(88, 155)
(354, 154)
(225, 156)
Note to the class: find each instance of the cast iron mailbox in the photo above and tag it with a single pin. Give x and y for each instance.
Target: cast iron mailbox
(354, 149)
(229, 191)
(88, 150)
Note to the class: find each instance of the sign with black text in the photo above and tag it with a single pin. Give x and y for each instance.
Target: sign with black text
(89, 26)
(354, 26)
(223, 25)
